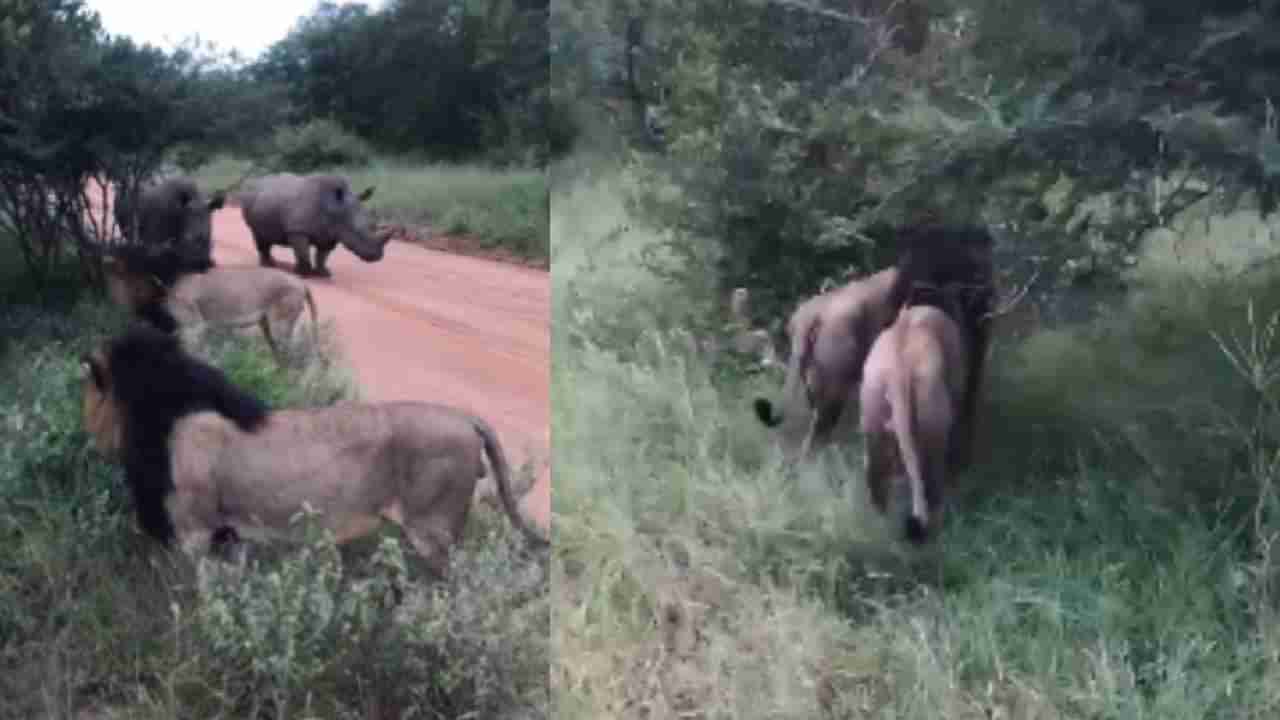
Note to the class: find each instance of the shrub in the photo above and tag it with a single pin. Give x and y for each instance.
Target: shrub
(316, 145)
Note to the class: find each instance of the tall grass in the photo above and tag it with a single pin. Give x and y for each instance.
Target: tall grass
(1108, 557)
(501, 209)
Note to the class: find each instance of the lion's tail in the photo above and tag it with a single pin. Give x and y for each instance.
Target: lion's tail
(502, 478)
(797, 380)
(906, 430)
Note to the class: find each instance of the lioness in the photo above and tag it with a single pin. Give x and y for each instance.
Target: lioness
(911, 397)
(202, 456)
(830, 336)
(173, 292)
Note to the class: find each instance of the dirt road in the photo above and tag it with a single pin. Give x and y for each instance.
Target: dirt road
(425, 325)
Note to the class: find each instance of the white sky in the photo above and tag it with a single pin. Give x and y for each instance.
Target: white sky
(249, 26)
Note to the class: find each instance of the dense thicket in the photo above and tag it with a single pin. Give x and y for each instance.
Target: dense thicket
(453, 78)
(797, 126)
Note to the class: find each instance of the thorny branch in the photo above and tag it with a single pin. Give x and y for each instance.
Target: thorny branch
(1013, 299)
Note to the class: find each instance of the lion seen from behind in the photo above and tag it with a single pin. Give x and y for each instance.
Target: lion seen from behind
(910, 403)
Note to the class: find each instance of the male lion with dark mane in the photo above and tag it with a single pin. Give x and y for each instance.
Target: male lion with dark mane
(947, 266)
(202, 457)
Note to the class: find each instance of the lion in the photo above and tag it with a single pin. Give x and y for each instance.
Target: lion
(175, 293)
(951, 268)
(204, 459)
(910, 402)
(830, 336)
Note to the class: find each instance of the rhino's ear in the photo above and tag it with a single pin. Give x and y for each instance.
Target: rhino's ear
(368, 193)
(184, 199)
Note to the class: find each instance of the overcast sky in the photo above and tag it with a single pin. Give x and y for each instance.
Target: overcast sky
(245, 25)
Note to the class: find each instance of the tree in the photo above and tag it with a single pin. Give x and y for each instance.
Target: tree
(83, 112)
(450, 77)
(800, 130)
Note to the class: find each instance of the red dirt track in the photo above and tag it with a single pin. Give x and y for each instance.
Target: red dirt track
(430, 326)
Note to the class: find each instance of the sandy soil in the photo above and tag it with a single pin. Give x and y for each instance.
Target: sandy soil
(427, 325)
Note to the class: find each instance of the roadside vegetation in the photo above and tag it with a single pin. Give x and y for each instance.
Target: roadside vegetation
(1112, 552)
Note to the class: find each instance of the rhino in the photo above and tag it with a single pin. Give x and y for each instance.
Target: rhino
(305, 211)
(173, 212)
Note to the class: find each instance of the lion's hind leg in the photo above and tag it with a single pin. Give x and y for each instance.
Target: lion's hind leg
(264, 323)
(434, 513)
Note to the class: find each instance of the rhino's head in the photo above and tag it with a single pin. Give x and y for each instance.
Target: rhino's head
(353, 223)
(194, 211)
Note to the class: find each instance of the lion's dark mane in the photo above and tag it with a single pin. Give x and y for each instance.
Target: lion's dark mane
(949, 267)
(156, 383)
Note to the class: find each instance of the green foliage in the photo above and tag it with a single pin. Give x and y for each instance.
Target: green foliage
(83, 111)
(316, 145)
(454, 79)
(793, 129)
(279, 631)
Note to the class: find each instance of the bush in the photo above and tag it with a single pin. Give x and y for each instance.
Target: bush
(316, 145)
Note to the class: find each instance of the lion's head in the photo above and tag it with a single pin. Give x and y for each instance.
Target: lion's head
(138, 275)
(127, 287)
(137, 387)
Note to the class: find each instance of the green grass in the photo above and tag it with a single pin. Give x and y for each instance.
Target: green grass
(96, 620)
(502, 210)
(1109, 557)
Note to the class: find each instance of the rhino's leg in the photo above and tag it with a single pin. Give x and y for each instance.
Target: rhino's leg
(322, 257)
(264, 253)
(301, 245)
